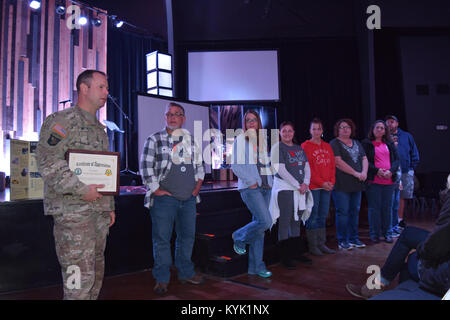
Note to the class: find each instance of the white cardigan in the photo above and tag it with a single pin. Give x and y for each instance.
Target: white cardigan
(302, 202)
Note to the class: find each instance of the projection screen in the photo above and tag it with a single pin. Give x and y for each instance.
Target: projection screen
(233, 75)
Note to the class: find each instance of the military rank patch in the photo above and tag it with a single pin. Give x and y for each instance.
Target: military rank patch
(53, 140)
(59, 130)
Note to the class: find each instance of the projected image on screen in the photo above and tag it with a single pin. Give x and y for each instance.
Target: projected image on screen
(233, 76)
(151, 118)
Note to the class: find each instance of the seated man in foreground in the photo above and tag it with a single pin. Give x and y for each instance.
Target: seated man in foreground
(432, 269)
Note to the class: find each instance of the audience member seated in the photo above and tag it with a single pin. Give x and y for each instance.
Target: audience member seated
(428, 267)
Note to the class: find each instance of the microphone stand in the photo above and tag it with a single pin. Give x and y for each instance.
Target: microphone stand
(126, 170)
(64, 103)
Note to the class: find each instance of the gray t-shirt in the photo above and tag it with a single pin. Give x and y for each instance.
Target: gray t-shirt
(180, 180)
(294, 159)
(352, 156)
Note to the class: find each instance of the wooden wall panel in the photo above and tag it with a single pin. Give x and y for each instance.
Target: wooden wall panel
(40, 59)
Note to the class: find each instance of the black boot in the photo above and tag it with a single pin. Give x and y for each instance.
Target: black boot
(296, 246)
(286, 255)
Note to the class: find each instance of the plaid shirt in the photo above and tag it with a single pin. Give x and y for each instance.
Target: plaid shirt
(156, 161)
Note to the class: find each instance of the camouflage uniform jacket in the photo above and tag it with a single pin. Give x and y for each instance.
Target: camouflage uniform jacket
(73, 128)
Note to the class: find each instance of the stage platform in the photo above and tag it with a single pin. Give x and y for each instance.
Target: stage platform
(27, 250)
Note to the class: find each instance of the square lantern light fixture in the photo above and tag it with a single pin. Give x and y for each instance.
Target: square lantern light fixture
(159, 74)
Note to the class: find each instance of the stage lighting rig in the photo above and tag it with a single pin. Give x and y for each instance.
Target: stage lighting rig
(34, 4)
(60, 7)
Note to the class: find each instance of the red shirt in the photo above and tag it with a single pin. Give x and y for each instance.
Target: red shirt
(321, 162)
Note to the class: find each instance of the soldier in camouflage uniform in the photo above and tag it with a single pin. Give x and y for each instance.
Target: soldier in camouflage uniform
(81, 215)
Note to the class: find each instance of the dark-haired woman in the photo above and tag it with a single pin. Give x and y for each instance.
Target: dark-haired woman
(383, 165)
(321, 161)
(251, 164)
(290, 193)
(351, 172)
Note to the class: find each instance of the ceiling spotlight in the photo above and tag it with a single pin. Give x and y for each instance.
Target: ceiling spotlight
(60, 9)
(82, 21)
(34, 4)
(118, 23)
(96, 22)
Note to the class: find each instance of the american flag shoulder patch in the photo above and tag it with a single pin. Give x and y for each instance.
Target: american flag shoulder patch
(59, 130)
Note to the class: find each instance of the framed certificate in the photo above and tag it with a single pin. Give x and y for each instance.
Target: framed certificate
(96, 167)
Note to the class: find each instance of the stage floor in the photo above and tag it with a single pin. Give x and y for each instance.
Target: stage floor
(324, 280)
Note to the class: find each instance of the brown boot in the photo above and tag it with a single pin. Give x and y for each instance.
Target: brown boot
(311, 236)
(322, 237)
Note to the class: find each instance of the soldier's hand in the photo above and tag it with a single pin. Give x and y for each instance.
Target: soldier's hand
(112, 215)
(92, 193)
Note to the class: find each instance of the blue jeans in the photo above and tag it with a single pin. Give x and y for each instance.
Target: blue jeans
(379, 201)
(395, 262)
(347, 215)
(165, 212)
(319, 212)
(395, 204)
(257, 201)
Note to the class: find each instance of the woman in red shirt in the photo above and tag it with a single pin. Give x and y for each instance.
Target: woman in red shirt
(321, 160)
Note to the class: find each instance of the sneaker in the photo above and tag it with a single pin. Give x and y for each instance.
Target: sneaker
(344, 246)
(197, 279)
(395, 234)
(240, 251)
(388, 239)
(402, 224)
(375, 239)
(160, 288)
(357, 244)
(363, 292)
(397, 229)
(263, 274)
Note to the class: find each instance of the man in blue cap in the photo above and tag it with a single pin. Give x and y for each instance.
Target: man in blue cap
(409, 160)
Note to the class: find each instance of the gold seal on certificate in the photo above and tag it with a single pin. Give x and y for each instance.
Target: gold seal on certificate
(96, 167)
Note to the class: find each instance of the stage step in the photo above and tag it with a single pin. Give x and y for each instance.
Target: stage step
(232, 264)
(214, 254)
(231, 219)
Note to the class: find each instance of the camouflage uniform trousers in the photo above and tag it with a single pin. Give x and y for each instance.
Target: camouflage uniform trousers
(80, 241)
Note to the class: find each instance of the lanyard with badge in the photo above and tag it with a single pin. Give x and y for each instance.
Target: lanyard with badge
(180, 154)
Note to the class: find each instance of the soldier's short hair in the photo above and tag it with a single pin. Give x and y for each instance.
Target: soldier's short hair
(86, 77)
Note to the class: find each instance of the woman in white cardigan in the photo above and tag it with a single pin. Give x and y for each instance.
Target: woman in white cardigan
(291, 200)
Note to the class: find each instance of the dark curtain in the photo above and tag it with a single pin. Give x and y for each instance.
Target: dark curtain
(127, 76)
(320, 78)
(388, 75)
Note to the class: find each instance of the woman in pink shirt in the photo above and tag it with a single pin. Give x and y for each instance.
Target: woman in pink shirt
(321, 162)
(383, 165)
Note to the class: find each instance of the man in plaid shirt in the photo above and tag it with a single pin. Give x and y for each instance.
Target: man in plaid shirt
(172, 170)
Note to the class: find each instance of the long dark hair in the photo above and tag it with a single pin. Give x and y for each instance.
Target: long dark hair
(256, 114)
(258, 118)
(386, 136)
